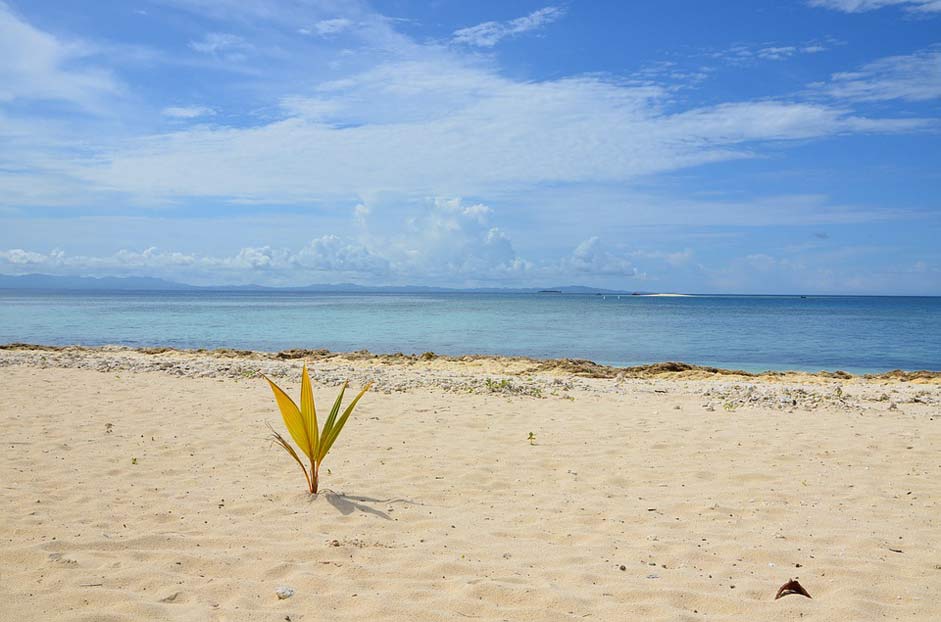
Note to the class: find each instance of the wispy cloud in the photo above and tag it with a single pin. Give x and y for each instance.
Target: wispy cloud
(913, 77)
(747, 53)
(823, 271)
(216, 43)
(488, 34)
(674, 258)
(187, 112)
(35, 65)
(860, 6)
(328, 27)
(700, 65)
(431, 128)
(445, 124)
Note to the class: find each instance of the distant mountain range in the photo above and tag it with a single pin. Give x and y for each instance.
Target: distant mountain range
(134, 283)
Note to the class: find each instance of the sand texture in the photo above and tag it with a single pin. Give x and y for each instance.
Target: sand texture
(142, 487)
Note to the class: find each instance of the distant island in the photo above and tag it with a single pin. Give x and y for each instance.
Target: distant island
(112, 283)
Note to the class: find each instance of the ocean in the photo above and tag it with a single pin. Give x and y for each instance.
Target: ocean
(754, 333)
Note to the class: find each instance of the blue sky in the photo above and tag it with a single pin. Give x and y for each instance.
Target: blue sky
(735, 146)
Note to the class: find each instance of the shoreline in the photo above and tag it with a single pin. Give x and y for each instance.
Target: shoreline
(512, 365)
(508, 377)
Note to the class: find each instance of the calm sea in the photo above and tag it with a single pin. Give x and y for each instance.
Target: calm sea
(855, 334)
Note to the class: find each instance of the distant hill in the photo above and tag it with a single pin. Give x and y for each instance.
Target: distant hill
(113, 283)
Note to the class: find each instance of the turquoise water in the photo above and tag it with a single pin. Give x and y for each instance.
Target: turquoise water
(855, 334)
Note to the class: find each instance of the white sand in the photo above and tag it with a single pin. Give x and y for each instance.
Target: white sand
(440, 509)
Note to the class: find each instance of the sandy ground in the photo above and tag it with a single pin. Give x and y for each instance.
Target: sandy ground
(147, 495)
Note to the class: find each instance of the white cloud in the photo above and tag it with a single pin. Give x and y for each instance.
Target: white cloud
(440, 126)
(435, 128)
(914, 77)
(445, 239)
(310, 108)
(820, 272)
(187, 112)
(860, 6)
(123, 260)
(675, 258)
(35, 65)
(449, 241)
(777, 52)
(782, 52)
(360, 213)
(328, 27)
(449, 237)
(749, 53)
(488, 34)
(329, 253)
(216, 43)
(455, 248)
(373, 29)
(20, 257)
(592, 257)
(253, 258)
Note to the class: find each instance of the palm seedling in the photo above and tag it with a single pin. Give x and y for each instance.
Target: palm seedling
(302, 425)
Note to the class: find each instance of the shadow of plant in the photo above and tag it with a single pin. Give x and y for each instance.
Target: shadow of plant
(347, 504)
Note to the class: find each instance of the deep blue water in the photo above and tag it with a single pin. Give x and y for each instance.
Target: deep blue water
(856, 334)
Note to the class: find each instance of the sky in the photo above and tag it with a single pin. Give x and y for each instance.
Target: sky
(733, 146)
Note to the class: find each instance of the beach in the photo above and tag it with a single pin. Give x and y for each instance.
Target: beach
(141, 485)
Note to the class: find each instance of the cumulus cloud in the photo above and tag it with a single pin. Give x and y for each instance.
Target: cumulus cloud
(447, 238)
(592, 257)
(20, 257)
(860, 6)
(262, 258)
(488, 34)
(329, 253)
(360, 213)
(452, 237)
(24, 261)
(454, 243)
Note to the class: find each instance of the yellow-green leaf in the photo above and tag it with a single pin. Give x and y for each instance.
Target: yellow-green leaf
(309, 413)
(335, 430)
(293, 419)
(287, 447)
(328, 425)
